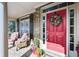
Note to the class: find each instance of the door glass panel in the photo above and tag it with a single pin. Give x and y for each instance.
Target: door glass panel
(43, 35)
(43, 17)
(72, 13)
(43, 30)
(71, 46)
(71, 21)
(72, 38)
(72, 29)
(43, 25)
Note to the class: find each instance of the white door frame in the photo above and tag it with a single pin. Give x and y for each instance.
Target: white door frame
(44, 14)
(67, 26)
(75, 28)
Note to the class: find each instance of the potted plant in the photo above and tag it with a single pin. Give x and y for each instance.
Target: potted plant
(35, 44)
(39, 52)
(77, 49)
(36, 50)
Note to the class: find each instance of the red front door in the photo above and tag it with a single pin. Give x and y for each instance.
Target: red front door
(56, 34)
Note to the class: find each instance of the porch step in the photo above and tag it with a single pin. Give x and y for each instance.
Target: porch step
(53, 53)
(50, 52)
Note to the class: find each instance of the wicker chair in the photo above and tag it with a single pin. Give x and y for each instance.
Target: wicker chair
(22, 42)
(12, 39)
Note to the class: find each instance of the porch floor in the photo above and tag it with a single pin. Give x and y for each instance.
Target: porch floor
(13, 53)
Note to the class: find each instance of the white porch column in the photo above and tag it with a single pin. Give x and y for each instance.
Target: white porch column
(3, 30)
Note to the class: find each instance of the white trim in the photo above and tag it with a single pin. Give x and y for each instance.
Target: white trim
(75, 16)
(42, 27)
(77, 23)
(67, 32)
(67, 27)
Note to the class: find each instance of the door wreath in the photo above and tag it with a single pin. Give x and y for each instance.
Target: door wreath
(56, 19)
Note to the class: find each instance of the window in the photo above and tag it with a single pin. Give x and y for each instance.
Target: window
(43, 29)
(71, 16)
(71, 38)
(58, 6)
(71, 21)
(72, 13)
(11, 27)
(24, 26)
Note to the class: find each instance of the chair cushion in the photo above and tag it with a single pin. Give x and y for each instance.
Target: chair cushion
(23, 36)
(14, 36)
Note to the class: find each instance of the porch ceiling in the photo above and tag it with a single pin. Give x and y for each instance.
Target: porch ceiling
(18, 9)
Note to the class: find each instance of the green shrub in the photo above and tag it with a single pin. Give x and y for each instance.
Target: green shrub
(36, 42)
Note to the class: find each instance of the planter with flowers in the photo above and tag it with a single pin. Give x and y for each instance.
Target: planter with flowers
(36, 50)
